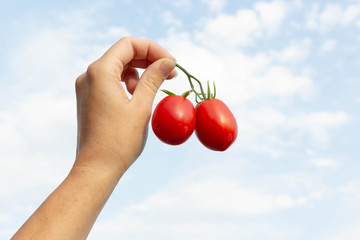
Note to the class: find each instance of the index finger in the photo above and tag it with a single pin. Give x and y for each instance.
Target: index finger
(136, 52)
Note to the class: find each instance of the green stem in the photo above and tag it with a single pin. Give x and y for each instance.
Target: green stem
(201, 95)
(214, 90)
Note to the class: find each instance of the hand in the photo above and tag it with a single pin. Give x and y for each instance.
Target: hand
(112, 128)
(112, 132)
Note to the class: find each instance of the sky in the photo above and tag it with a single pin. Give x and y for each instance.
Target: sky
(288, 70)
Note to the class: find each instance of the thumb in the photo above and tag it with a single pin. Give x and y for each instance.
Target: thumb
(151, 80)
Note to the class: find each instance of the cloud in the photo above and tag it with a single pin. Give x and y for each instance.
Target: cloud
(183, 4)
(319, 124)
(232, 30)
(295, 52)
(209, 202)
(277, 133)
(243, 78)
(263, 87)
(332, 15)
(328, 45)
(215, 5)
(112, 32)
(272, 14)
(349, 192)
(244, 27)
(38, 125)
(38, 147)
(350, 232)
(191, 229)
(239, 77)
(190, 209)
(215, 197)
(325, 162)
(169, 19)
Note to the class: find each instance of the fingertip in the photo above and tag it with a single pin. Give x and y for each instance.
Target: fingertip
(172, 75)
(167, 67)
(151, 80)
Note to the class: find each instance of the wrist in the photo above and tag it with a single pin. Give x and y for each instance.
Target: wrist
(98, 164)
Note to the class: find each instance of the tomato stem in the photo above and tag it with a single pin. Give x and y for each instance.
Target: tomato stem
(208, 90)
(199, 96)
(213, 96)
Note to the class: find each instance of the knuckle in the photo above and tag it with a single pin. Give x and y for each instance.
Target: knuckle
(79, 83)
(93, 69)
(96, 71)
(124, 39)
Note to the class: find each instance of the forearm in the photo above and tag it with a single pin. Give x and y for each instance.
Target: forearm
(112, 133)
(71, 210)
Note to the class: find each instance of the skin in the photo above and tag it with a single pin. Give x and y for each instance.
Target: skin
(112, 131)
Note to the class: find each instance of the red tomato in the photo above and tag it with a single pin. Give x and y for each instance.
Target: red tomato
(216, 126)
(173, 120)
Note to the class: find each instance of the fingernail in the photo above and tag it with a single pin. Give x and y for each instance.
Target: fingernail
(166, 67)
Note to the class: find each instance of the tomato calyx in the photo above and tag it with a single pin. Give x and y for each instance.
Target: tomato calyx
(185, 94)
(200, 95)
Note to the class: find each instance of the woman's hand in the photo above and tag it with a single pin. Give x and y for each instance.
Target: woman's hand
(111, 134)
(112, 127)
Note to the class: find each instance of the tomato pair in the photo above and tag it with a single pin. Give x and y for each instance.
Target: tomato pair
(175, 119)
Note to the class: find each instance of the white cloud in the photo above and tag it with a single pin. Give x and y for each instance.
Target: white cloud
(268, 81)
(210, 202)
(113, 32)
(245, 26)
(311, 17)
(242, 78)
(38, 131)
(319, 124)
(169, 19)
(193, 209)
(295, 52)
(351, 232)
(238, 76)
(328, 45)
(48, 59)
(272, 14)
(332, 15)
(232, 30)
(4, 218)
(349, 192)
(214, 5)
(189, 207)
(325, 162)
(183, 4)
(190, 229)
(273, 132)
(215, 197)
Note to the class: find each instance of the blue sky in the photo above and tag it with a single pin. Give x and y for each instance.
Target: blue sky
(289, 70)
